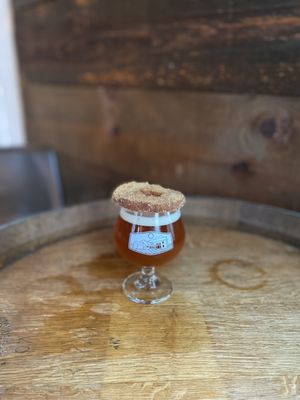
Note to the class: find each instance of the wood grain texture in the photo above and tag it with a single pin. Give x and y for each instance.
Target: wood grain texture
(240, 146)
(231, 46)
(67, 331)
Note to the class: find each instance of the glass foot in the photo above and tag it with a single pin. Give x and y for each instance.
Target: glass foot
(146, 287)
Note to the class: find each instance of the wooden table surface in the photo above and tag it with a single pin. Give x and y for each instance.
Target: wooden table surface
(231, 329)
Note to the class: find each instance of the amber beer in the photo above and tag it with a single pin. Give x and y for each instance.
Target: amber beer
(149, 232)
(149, 239)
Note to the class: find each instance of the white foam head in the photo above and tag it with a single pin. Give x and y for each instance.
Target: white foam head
(156, 219)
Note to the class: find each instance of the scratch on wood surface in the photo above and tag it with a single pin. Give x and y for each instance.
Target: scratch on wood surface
(115, 343)
(159, 390)
(179, 395)
(291, 385)
(23, 345)
(108, 308)
(4, 333)
(105, 308)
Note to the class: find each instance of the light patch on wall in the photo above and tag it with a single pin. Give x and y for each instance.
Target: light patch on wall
(11, 116)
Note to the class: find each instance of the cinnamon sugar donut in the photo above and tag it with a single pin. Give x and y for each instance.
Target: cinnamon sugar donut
(146, 198)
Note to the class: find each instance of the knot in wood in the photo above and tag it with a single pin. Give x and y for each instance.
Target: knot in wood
(276, 125)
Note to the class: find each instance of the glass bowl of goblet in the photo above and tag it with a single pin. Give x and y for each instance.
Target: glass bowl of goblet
(149, 240)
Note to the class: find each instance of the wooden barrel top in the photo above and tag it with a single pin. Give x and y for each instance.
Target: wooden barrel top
(231, 330)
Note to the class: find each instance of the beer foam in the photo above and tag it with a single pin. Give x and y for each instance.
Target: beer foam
(157, 219)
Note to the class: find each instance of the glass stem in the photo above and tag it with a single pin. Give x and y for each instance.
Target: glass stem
(147, 279)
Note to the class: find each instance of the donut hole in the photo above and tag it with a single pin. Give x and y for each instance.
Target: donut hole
(149, 192)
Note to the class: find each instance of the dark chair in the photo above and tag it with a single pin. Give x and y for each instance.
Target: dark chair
(29, 183)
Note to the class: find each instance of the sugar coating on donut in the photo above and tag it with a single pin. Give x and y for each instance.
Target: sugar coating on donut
(147, 198)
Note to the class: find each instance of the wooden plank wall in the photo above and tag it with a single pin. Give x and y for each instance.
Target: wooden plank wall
(89, 96)
(220, 45)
